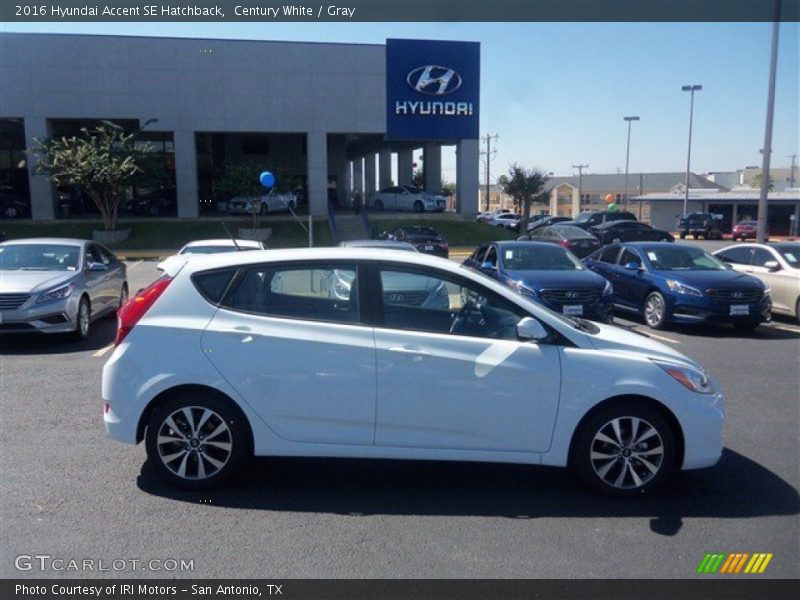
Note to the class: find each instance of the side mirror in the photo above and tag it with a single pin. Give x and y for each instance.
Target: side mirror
(488, 265)
(632, 266)
(529, 329)
(95, 267)
(772, 265)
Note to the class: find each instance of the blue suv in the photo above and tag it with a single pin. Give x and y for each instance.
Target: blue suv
(548, 274)
(679, 283)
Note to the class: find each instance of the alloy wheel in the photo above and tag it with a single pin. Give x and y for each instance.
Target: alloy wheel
(627, 452)
(654, 310)
(194, 442)
(83, 318)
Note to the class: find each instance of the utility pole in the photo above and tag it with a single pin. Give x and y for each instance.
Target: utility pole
(761, 229)
(627, 157)
(488, 155)
(580, 184)
(692, 89)
(791, 171)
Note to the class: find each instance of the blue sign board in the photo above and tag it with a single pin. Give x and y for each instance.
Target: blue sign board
(432, 90)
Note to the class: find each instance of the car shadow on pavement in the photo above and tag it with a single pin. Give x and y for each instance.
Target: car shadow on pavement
(736, 488)
(764, 331)
(102, 334)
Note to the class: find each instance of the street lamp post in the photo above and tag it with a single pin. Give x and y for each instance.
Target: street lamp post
(692, 89)
(580, 184)
(627, 157)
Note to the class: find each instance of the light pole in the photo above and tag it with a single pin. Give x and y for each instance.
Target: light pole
(580, 184)
(692, 89)
(761, 228)
(627, 156)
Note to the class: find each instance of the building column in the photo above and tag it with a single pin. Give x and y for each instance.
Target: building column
(346, 187)
(42, 205)
(186, 174)
(432, 167)
(405, 167)
(576, 203)
(358, 177)
(554, 202)
(369, 176)
(734, 214)
(795, 227)
(385, 168)
(467, 168)
(317, 172)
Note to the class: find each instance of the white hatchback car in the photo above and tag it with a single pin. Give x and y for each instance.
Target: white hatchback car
(340, 352)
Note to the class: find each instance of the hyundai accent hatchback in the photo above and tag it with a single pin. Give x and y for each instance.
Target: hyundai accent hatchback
(338, 352)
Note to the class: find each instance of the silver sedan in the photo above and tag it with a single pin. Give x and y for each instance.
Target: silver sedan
(58, 285)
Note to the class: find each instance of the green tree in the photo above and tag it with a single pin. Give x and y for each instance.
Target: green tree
(103, 162)
(755, 182)
(241, 179)
(525, 186)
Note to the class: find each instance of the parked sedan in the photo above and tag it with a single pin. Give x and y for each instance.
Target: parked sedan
(215, 362)
(508, 221)
(489, 215)
(746, 230)
(777, 265)
(578, 241)
(545, 221)
(407, 198)
(547, 274)
(57, 285)
(677, 283)
(214, 246)
(425, 239)
(613, 232)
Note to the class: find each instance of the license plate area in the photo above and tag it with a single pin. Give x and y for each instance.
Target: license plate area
(738, 310)
(428, 248)
(572, 309)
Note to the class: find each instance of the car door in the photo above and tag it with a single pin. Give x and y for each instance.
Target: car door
(779, 281)
(630, 285)
(291, 340)
(116, 274)
(455, 377)
(97, 282)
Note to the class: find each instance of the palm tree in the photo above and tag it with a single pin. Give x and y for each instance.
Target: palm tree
(525, 186)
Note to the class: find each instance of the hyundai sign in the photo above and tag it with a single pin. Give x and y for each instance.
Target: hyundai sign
(432, 90)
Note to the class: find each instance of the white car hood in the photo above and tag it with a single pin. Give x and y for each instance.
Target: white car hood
(614, 338)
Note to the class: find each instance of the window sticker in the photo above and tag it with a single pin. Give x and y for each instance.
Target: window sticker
(509, 254)
(790, 257)
(652, 256)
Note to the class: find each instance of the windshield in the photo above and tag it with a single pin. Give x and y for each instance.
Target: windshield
(682, 258)
(39, 257)
(583, 217)
(536, 258)
(790, 253)
(212, 249)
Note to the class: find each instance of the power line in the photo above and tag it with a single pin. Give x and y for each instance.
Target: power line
(488, 156)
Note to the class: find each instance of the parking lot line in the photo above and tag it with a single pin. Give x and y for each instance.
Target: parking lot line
(657, 337)
(134, 265)
(784, 327)
(103, 350)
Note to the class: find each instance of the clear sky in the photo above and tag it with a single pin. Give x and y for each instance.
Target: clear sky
(556, 93)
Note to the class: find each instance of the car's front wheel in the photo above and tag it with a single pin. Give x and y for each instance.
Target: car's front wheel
(196, 440)
(83, 320)
(624, 449)
(655, 311)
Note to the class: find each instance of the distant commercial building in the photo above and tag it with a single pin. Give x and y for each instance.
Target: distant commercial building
(782, 178)
(334, 117)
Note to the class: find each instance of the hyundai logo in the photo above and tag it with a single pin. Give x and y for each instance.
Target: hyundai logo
(571, 295)
(434, 80)
(738, 295)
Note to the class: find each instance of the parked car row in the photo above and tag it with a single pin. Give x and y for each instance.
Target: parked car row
(407, 198)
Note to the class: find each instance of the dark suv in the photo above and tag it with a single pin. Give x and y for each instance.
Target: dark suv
(591, 218)
(698, 225)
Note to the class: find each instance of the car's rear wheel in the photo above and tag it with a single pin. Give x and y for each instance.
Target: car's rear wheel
(196, 440)
(683, 235)
(418, 207)
(123, 295)
(624, 449)
(83, 320)
(655, 311)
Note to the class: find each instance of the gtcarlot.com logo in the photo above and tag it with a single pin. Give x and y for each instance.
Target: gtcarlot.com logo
(734, 563)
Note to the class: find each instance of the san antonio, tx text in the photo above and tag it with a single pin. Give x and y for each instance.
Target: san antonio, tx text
(238, 591)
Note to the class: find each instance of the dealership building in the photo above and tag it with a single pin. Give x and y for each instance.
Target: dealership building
(336, 118)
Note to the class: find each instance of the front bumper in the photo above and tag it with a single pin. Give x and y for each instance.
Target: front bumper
(59, 316)
(693, 309)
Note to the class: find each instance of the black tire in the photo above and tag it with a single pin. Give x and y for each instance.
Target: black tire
(378, 205)
(231, 448)
(11, 212)
(654, 317)
(419, 207)
(683, 235)
(262, 210)
(83, 320)
(123, 296)
(746, 326)
(627, 460)
(797, 311)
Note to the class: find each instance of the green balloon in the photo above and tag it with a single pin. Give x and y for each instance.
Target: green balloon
(612, 207)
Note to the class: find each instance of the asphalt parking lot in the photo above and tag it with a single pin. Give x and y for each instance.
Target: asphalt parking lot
(69, 492)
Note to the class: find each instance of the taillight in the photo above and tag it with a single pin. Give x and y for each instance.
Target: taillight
(133, 310)
(564, 243)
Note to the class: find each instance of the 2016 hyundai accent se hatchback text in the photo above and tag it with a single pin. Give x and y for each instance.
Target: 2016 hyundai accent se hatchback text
(339, 352)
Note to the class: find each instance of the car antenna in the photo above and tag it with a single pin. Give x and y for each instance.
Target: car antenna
(233, 239)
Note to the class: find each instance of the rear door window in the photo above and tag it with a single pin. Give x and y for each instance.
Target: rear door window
(761, 257)
(629, 256)
(738, 256)
(609, 255)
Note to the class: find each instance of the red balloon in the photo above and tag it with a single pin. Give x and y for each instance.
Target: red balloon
(609, 198)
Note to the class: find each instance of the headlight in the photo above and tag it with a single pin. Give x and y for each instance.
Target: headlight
(58, 293)
(677, 286)
(608, 289)
(520, 287)
(689, 377)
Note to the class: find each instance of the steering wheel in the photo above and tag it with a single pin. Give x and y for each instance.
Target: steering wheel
(464, 316)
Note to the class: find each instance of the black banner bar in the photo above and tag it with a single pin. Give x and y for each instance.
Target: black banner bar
(395, 10)
(711, 588)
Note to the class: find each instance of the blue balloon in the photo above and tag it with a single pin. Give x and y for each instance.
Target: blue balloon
(267, 179)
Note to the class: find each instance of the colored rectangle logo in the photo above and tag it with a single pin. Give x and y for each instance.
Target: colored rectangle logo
(734, 563)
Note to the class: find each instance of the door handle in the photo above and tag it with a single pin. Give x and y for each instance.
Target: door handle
(409, 351)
